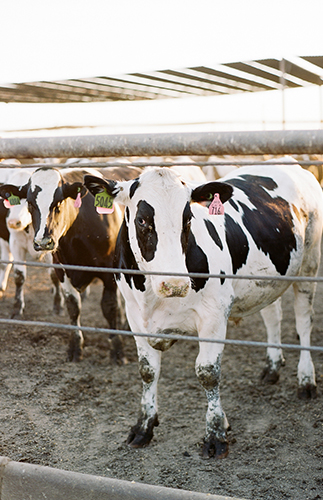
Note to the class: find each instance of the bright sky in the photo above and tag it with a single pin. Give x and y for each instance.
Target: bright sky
(60, 39)
(56, 39)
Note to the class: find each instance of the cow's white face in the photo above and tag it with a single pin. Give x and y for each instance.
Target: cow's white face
(51, 204)
(44, 199)
(19, 217)
(158, 219)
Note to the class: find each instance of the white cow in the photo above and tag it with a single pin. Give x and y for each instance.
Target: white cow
(263, 221)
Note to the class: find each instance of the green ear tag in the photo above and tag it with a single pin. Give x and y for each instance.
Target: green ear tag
(103, 203)
(14, 200)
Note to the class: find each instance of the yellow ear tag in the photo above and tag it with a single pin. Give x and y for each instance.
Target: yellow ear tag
(103, 203)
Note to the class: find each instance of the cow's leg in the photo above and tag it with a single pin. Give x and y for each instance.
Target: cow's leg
(109, 306)
(58, 296)
(149, 368)
(19, 251)
(272, 316)
(4, 268)
(208, 371)
(73, 305)
(19, 303)
(304, 296)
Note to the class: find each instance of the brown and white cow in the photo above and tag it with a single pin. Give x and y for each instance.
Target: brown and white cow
(67, 225)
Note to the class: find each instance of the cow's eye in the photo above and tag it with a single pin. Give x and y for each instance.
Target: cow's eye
(57, 209)
(142, 222)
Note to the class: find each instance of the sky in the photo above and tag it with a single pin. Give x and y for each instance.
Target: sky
(60, 39)
(54, 39)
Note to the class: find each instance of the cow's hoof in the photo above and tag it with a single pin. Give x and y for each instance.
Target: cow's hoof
(75, 355)
(269, 376)
(308, 391)
(213, 448)
(117, 355)
(118, 358)
(139, 437)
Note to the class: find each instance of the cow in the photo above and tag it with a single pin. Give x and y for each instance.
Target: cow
(16, 233)
(67, 225)
(262, 221)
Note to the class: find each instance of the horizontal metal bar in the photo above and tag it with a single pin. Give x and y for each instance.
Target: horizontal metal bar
(118, 270)
(20, 481)
(189, 143)
(168, 336)
(166, 163)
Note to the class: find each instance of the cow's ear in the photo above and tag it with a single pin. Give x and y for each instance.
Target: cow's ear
(72, 190)
(97, 185)
(6, 190)
(206, 192)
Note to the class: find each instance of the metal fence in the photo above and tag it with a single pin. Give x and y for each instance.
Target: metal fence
(189, 144)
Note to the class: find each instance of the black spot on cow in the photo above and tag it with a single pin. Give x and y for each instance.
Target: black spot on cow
(222, 280)
(125, 259)
(237, 243)
(145, 230)
(234, 205)
(213, 233)
(134, 186)
(196, 262)
(270, 222)
(186, 226)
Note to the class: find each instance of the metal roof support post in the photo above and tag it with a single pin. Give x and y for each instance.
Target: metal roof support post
(282, 67)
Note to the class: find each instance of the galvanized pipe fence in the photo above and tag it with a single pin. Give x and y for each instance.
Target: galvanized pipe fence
(275, 142)
(187, 144)
(245, 343)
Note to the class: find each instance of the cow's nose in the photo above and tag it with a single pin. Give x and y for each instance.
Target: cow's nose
(44, 244)
(174, 288)
(14, 224)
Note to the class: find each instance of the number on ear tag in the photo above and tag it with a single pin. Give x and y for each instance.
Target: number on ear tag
(216, 207)
(103, 203)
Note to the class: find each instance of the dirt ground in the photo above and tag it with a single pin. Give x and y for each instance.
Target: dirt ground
(77, 416)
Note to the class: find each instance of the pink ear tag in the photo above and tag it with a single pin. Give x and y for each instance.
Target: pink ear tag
(104, 203)
(216, 207)
(78, 201)
(7, 203)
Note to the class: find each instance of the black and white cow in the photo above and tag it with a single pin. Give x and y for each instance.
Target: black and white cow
(271, 226)
(67, 225)
(16, 241)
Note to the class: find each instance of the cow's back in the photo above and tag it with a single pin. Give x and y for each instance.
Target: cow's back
(273, 227)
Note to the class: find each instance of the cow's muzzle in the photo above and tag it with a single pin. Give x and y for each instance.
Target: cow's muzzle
(173, 287)
(44, 244)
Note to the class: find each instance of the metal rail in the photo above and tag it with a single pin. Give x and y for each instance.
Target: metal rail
(21, 481)
(189, 143)
(168, 336)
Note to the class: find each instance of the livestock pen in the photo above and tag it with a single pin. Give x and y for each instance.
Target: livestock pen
(76, 416)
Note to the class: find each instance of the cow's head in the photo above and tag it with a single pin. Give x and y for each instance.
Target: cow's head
(18, 217)
(51, 205)
(158, 218)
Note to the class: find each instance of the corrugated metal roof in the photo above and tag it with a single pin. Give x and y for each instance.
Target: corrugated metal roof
(220, 79)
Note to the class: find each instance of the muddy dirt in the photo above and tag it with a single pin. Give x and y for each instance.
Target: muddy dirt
(77, 416)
